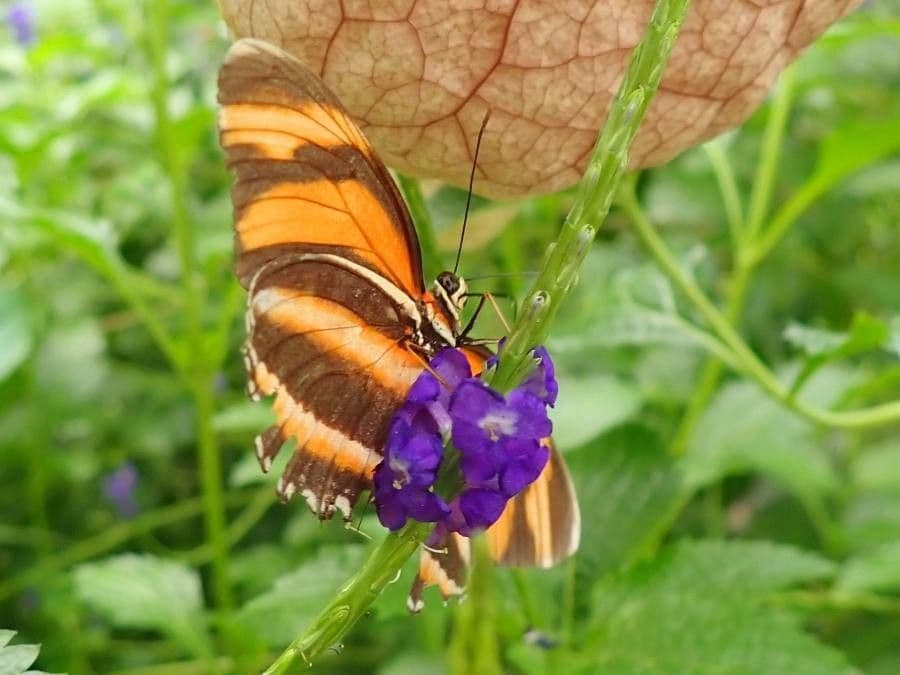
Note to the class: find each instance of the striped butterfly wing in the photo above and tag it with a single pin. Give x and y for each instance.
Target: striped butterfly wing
(539, 527)
(327, 250)
(306, 177)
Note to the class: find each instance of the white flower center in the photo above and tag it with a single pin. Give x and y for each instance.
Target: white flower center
(499, 423)
(398, 466)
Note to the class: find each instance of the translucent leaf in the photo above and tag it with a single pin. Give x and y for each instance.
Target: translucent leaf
(146, 592)
(627, 487)
(279, 614)
(15, 332)
(700, 608)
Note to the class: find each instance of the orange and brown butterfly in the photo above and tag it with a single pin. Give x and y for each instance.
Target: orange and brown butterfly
(339, 321)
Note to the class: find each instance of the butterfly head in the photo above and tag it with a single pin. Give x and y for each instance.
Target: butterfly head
(451, 292)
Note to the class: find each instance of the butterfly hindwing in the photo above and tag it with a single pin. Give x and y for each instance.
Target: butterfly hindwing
(328, 345)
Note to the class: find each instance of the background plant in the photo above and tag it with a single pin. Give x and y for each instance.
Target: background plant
(728, 372)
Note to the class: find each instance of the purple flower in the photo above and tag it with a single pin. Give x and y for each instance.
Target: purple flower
(118, 487)
(433, 388)
(499, 439)
(403, 479)
(20, 17)
(542, 380)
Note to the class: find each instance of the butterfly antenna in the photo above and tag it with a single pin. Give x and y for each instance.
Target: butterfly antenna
(462, 235)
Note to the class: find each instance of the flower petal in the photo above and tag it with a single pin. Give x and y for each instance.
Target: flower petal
(481, 507)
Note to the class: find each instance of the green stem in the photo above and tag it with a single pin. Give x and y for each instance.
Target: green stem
(557, 277)
(713, 368)
(198, 368)
(474, 648)
(785, 218)
(353, 599)
(108, 540)
(748, 363)
(761, 197)
(607, 164)
(731, 196)
(432, 261)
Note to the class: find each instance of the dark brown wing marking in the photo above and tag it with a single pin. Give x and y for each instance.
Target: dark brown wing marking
(306, 178)
(330, 346)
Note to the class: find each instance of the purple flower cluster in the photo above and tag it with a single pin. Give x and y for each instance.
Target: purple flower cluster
(498, 438)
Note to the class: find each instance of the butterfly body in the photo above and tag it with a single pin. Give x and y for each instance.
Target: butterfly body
(339, 321)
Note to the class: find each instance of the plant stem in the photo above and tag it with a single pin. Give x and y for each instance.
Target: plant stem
(555, 280)
(731, 196)
(748, 363)
(109, 539)
(607, 164)
(353, 599)
(432, 261)
(713, 368)
(761, 197)
(474, 648)
(197, 367)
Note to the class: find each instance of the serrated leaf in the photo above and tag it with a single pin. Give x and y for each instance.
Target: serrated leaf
(744, 430)
(875, 570)
(279, 614)
(15, 332)
(699, 608)
(627, 487)
(146, 592)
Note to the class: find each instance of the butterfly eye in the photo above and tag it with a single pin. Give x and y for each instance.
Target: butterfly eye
(449, 282)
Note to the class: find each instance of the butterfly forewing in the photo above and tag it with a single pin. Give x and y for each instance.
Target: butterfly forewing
(305, 176)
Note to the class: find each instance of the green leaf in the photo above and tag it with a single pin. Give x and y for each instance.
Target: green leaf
(700, 608)
(628, 489)
(15, 332)
(146, 592)
(16, 659)
(876, 570)
(743, 430)
(866, 333)
(589, 405)
(855, 145)
(279, 614)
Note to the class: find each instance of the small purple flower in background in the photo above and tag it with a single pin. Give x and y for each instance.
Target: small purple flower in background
(119, 486)
(20, 17)
(499, 439)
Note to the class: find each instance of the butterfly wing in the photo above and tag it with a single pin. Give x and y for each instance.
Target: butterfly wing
(306, 178)
(539, 527)
(327, 250)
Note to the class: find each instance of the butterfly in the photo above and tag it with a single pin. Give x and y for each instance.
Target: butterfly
(339, 321)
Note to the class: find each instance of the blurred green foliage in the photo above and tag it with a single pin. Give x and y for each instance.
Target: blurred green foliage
(724, 531)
